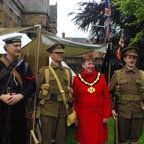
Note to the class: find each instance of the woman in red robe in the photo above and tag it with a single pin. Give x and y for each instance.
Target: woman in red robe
(91, 103)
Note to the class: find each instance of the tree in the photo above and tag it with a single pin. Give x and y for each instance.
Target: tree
(125, 14)
(134, 10)
(89, 13)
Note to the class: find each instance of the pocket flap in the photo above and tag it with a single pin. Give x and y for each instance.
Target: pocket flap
(123, 81)
(138, 81)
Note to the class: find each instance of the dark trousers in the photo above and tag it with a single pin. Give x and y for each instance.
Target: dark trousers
(18, 131)
(129, 129)
(53, 129)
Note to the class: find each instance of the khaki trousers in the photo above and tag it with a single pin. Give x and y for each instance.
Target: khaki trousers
(129, 130)
(53, 129)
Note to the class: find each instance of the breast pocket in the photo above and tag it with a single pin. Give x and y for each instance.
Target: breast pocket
(124, 85)
(138, 82)
(53, 84)
(52, 80)
(139, 86)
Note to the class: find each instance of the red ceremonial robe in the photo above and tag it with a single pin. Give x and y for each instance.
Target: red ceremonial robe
(91, 108)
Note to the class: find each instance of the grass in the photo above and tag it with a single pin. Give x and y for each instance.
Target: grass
(72, 140)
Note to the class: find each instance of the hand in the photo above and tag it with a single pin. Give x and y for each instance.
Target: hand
(32, 115)
(114, 114)
(77, 122)
(105, 120)
(15, 98)
(5, 98)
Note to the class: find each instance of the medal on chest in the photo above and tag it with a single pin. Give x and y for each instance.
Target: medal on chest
(91, 89)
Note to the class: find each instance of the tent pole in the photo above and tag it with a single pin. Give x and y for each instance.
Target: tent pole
(36, 67)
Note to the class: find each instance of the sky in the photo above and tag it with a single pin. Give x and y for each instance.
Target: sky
(64, 22)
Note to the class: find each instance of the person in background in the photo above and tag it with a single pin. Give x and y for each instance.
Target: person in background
(51, 109)
(127, 91)
(16, 86)
(92, 104)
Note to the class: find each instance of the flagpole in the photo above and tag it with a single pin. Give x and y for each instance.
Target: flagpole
(109, 71)
(107, 38)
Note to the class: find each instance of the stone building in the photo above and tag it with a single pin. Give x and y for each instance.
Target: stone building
(10, 13)
(21, 13)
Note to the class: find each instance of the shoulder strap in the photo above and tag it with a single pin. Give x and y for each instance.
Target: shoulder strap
(60, 88)
(13, 71)
(18, 77)
(142, 76)
(118, 76)
(4, 60)
(47, 75)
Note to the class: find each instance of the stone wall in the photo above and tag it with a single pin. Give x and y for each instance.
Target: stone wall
(33, 19)
(39, 6)
(10, 15)
(20, 13)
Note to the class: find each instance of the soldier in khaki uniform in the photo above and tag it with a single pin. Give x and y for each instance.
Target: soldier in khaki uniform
(50, 103)
(128, 99)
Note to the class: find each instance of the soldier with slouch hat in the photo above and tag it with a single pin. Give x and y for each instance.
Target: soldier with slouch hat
(127, 102)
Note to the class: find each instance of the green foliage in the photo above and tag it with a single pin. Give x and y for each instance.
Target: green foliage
(135, 10)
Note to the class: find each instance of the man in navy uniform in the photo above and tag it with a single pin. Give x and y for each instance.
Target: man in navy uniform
(17, 84)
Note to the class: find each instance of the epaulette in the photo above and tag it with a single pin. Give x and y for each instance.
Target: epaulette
(43, 68)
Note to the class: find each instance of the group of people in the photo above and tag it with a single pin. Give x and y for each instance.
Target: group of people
(88, 93)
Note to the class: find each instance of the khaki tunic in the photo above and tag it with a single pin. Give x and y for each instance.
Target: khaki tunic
(130, 82)
(53, 107)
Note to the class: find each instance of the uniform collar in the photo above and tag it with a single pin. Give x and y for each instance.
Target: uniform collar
(5, 56)
(54, 66)
(128, 70)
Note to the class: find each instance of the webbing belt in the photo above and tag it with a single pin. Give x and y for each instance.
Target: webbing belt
(130, 97)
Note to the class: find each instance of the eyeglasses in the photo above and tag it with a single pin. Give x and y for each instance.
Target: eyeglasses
(58, 52)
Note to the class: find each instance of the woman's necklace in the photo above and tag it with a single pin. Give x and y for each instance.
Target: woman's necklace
(91, 89)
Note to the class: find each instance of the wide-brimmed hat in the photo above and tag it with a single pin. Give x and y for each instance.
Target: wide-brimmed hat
(57, 47)
(12, 39)
(132, 50)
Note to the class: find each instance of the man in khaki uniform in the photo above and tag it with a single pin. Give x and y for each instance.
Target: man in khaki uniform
(53, 114)
(128, 99)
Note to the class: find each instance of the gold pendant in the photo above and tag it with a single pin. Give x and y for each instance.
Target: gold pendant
(91, 89)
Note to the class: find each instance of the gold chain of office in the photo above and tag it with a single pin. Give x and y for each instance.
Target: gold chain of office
(91, 89)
